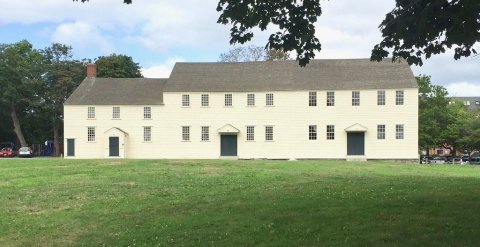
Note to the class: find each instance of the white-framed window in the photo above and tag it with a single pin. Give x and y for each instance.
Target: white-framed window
(269, 99)
(399, 97)
(147, 112)
(91, 134)
(268, 133)
(355, 98)
(330, 98)
(116, 112)
(250, 99)
(399, 131)
(228, 99)
(147, 133)
(185, 133)
(440, 151)
(312, 98)
(312, 132)
(185, 100)
(381, 97)
(205, 133)
(250, 133)
(205, 100)
(91, 112)
(330, 132)
(381, 132)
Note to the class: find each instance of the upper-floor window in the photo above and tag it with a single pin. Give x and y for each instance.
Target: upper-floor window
(185, 100)
(147, 112)
(185, 133)
(381, 97)
(355, 98)
(250, 133)
(228, 99)
(250, 99)
(330, 98)
(91, 134)
(381, 131)
(269, 99)
(330, 132)
(312, 98)
(91, 112)
(312, 132)
(268, 133)
(116, 112)
(147, 133)
(399, 129)
(399, 97)
(205, 100)
(205, 133)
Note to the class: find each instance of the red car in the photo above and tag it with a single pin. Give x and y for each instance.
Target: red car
(7, 152)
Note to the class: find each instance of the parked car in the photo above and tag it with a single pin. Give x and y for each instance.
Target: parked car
(454, 160)
(7, 152)
(25, 152)
(437, 160)
(475, 160)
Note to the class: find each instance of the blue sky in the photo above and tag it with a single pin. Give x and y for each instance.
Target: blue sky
(158, 33)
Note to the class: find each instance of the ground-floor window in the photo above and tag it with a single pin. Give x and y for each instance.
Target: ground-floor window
(250, 133)
(381, 132)
(312, 132)
(330, 132)
(185, 133)
(399, 131)
(147, 133)
(91, 134)
(268, 133)
(205, 133)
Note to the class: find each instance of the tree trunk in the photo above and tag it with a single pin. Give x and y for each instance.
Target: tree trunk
(56, 144)
(16, 126)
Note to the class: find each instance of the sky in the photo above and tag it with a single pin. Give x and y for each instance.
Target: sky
(158, 33)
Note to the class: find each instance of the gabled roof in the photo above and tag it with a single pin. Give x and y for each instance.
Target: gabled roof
(474, 102)
(116, 91)
(228, 129)
(356, 128)
(334, 74)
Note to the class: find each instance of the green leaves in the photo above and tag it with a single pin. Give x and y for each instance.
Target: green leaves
(117, 66)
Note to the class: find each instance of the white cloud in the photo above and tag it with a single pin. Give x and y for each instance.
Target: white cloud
(465, 89)
(81, 35)
(161, 70)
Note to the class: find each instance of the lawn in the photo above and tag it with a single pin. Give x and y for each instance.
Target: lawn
(55, 202)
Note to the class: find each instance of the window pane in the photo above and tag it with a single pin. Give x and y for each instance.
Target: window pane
(312, 99)
(381, 132)
(269, 99)
(228, 99)
(185, 133)
(205, 100)
(381, 97)
(399, 131)
(147, 112)
(399, 97)
(330, 132)
(355, 98)
(330, 98)
(250, 133)
(91, 134)
(91, 112)
(312, 132)
(185, 100)
(269, 133)
(250, 99)
(205, 133)
(116, 112)
(147, 133)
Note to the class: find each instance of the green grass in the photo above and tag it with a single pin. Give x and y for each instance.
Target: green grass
(54, 202)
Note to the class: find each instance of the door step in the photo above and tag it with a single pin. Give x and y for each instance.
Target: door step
(361, 158)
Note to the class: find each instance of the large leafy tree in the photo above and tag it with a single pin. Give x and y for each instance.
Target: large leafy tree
(252, 53)
(413, 29)
(63, 75)
(21, 77)
(118, 66)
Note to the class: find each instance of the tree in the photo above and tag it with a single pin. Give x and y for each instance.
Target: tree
(21, 71)
(252, 53)
(118, 66)
(63, 75)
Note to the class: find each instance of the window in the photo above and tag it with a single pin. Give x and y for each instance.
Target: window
(330, 98)
(185, 100)
(91, 112)
(381, 97)
(399, 97)
(205, 133)
(355, 98)
(205, 100)
(116, 112)
(312, 132)
(147, 112)
(147, 133)
(330, 132)
(440, 151)
(228, 99)
(250, 99)
(268, 133)
(269, 99)
(312, 98)
(381, 132)
(250, 133)
(185, 133)
(399, 131)
(91, 134)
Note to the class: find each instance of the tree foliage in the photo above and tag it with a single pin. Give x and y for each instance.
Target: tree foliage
(117, 66)
(252, 53)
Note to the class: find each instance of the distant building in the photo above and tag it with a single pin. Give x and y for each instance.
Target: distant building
(472, 103)
(331, 109)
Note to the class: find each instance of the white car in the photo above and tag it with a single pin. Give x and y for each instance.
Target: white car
(25, 152)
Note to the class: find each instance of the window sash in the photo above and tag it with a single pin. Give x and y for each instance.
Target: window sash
(399, 97)
(355, 98)
(330, 98)
(205, 100)
(250, 133)
(381, 97)
(91, 112)
(312, 132)
(250, 99)
(268, 133)
(228, 99)
(147, 133)
(205, 133)
(312, 98)
(91, 134)
(147, 112)
(269, 99)
(185, 133)
(185, 100)
(399, 131)
(116, 112)
(330, 132)
(381, 132)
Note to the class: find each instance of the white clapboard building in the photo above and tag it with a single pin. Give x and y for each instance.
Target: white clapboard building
(350, 109)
